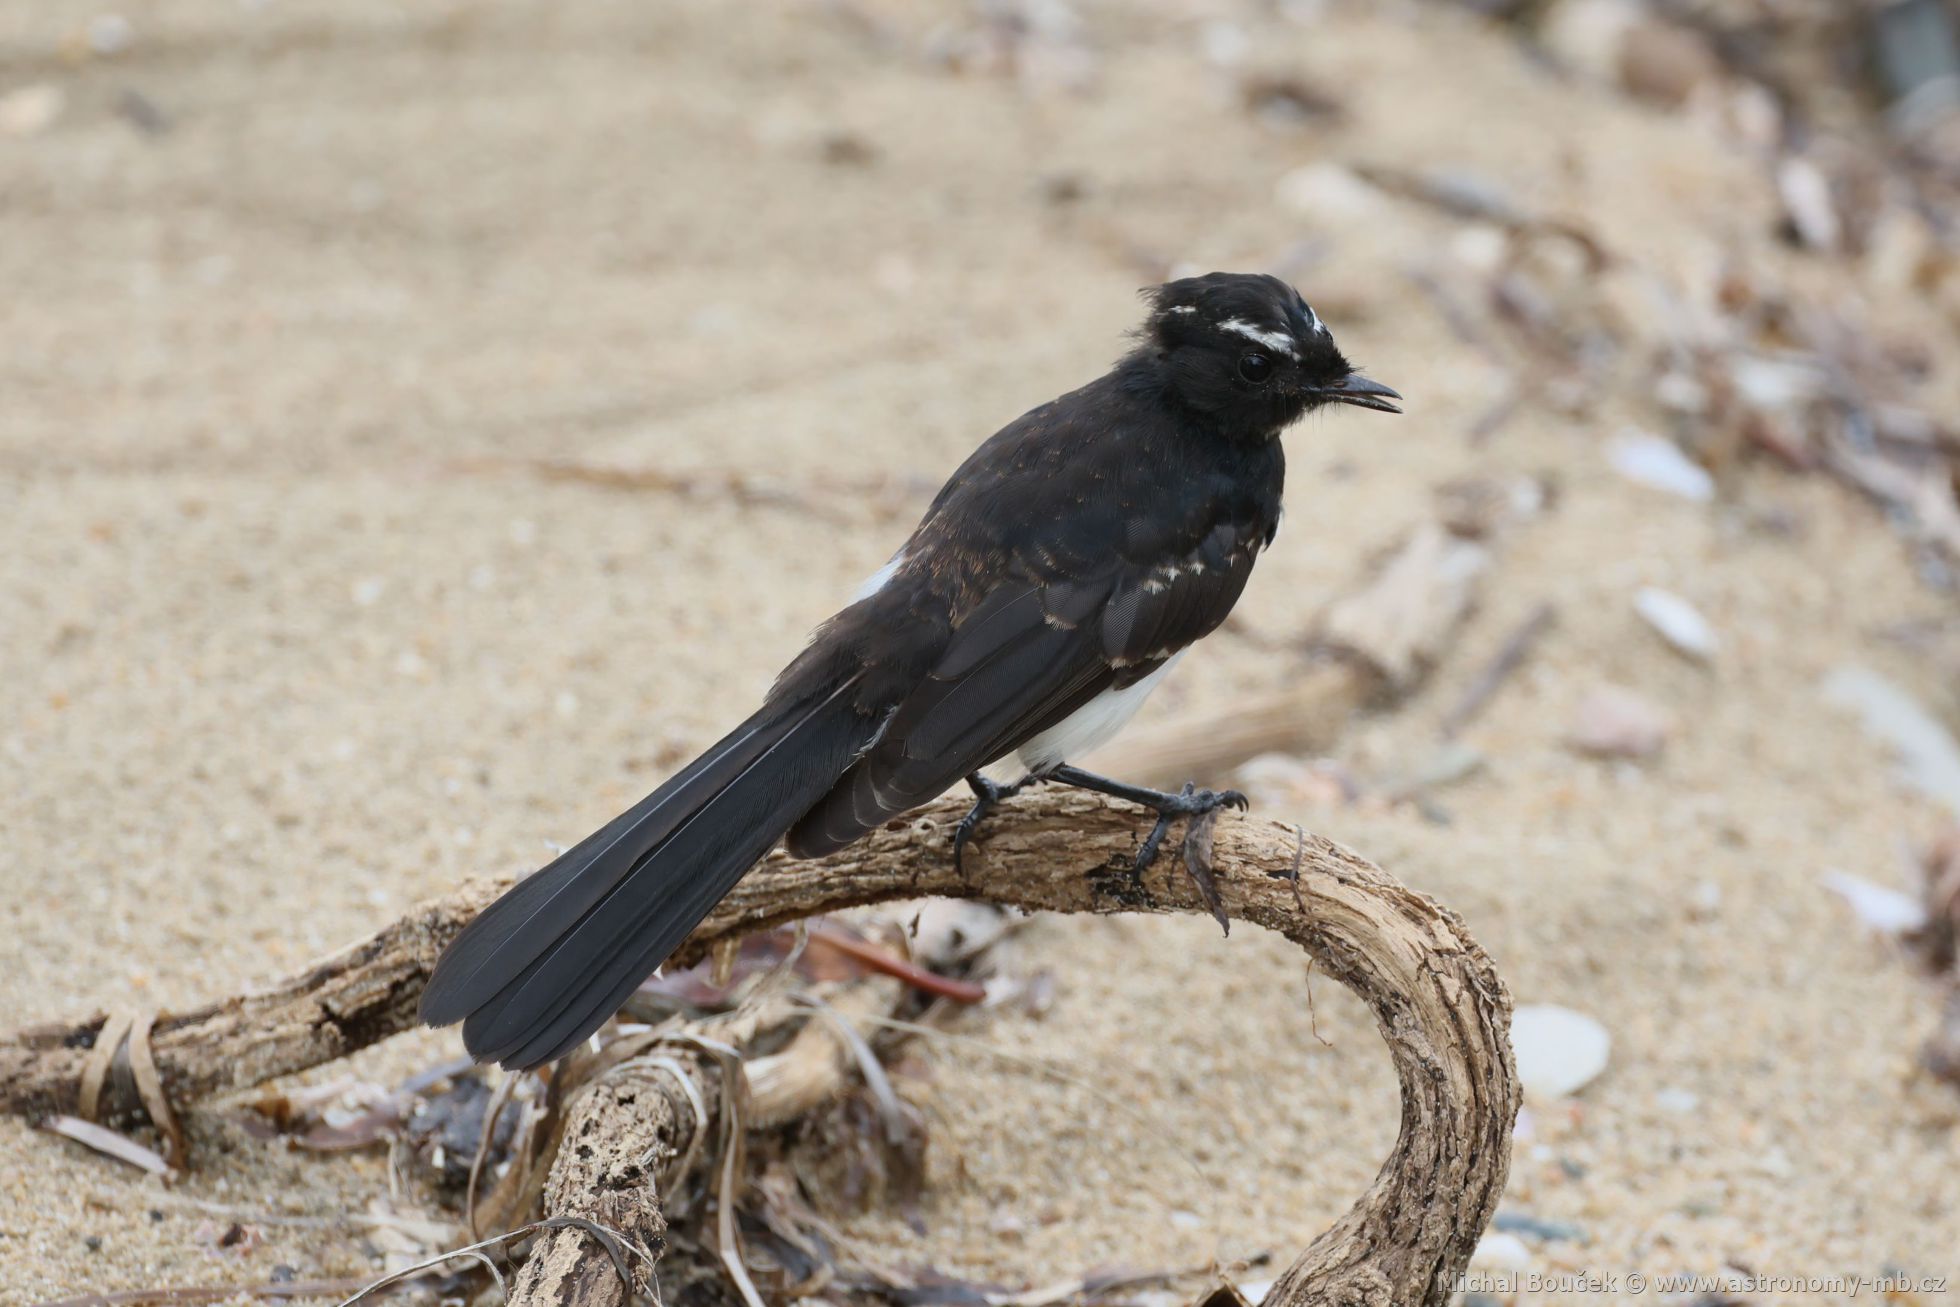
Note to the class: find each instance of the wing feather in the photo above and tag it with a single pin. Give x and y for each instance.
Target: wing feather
(1026, 656)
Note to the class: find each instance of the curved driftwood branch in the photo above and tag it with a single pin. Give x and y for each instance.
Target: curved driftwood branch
(1438, 1000)
(357, 997)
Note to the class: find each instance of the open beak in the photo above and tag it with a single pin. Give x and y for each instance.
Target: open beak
(1360, 391)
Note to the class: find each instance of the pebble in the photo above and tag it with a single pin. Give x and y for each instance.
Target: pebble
(1615, 722)
(1658, 463)
(1680, 1101)
(1481, 247)
(30, 110)
(1448, 764)
(1536, 1227)
(110, 34)
(1006, 1225)
(1559, 1051)
(1328, 194)
(1589, 34)
(1775, 384)
(1679, 622)
(1665, 64)
(1501, 1251)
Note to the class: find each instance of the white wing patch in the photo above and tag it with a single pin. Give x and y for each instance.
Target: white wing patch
(1280, 342)
(878, 579)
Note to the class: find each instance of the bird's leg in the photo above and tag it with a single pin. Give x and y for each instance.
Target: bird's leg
(986, 796)
(1188, 802)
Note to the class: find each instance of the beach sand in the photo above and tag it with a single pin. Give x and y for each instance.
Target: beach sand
(298, 631)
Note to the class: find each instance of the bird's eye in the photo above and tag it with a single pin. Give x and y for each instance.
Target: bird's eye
(1255, 368)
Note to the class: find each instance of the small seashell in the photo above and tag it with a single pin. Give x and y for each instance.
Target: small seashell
(1658, 463)
(1559, 1051)
(1679, 622)
(1929, 756)
(1885, 910)
(1807, 201)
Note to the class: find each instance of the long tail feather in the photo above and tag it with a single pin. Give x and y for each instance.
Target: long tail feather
(545, 965)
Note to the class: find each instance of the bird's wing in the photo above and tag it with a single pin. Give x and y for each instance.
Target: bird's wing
(1030, 653)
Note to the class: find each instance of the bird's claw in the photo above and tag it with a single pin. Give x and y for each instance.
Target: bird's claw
(963, 833)
(987, 796)
(1187, 802)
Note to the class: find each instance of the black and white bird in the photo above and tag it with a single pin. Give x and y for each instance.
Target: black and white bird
(1055, 580)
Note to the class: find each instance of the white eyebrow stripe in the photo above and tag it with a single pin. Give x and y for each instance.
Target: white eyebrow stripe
(1282, 341)
(1313, 320)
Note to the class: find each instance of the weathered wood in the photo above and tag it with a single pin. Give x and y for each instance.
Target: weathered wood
(361, 994)
(1438, 1001)
(623, 1129)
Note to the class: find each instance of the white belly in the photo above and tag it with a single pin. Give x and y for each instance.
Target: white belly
(1091, 725)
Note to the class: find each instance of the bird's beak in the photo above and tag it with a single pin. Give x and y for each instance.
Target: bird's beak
(1360, 391)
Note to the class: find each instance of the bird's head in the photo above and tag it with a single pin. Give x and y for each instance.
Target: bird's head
(1247, 352)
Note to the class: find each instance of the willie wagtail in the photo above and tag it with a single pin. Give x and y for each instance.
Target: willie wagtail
(1056, 578)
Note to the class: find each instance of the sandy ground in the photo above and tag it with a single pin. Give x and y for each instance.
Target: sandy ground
(293, 638)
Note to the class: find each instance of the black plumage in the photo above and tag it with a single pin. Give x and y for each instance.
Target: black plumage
(1062, 567)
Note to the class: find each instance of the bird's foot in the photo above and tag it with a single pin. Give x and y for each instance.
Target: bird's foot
(987, 795)
(1188, 802)
(1170, 808)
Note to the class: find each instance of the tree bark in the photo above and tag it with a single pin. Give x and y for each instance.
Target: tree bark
(622, 1131)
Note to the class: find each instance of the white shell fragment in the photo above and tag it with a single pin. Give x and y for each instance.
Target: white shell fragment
(1807, 200)
(1886, 911)
(1559, 1051)
(1679, 622)
(1929, 757)
(1658, 463)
